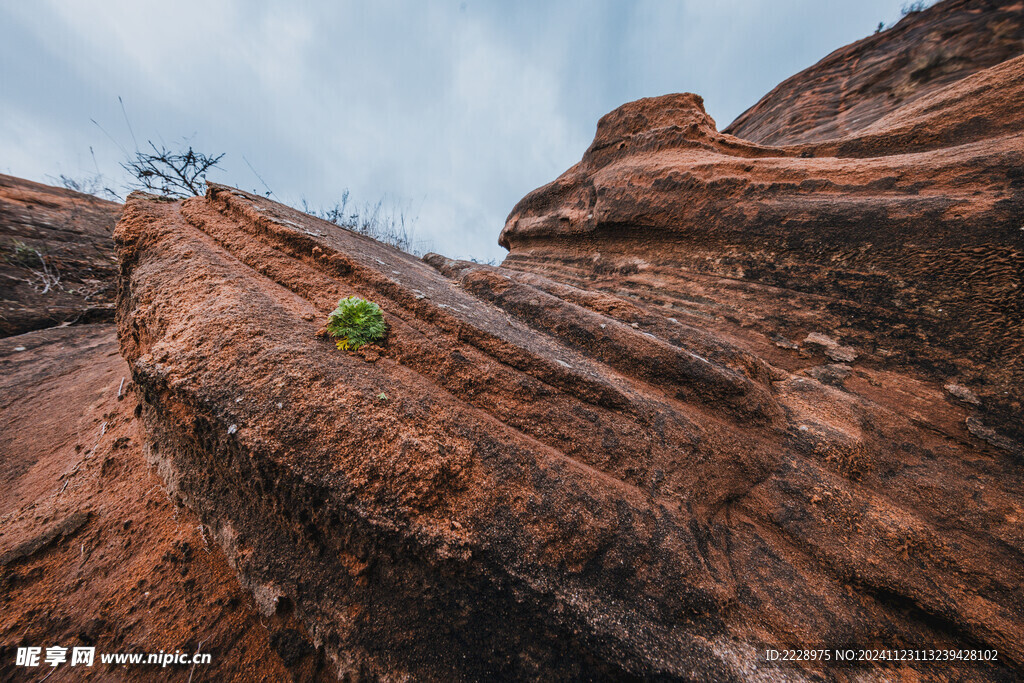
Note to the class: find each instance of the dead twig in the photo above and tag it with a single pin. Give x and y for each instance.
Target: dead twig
(172, 174)
(49, 276)
(193, 670)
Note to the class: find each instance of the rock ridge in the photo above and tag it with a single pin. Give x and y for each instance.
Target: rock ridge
(530, 497)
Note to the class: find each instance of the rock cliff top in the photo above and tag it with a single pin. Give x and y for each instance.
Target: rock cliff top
(858, 84)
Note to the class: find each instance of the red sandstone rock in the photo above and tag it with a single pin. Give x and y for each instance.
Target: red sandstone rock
(93, 551)
(721, 397)
(562, 482)
(855, 86)
(903, 243)
(56, 256)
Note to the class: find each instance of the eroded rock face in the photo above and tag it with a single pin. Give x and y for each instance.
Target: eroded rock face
(857, 85)
(530, 478)
(721, 397)
(56, 257)
(905, 242)
(93, 551)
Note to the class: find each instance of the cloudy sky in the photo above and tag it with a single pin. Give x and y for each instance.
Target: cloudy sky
(448, 111)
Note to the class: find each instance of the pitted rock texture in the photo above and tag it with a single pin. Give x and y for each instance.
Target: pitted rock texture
(533, 479)
(93, 551)
(905, 243)
(56, 257)
(859, 84)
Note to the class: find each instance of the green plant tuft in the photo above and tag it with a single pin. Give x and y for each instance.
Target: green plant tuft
(356, 322)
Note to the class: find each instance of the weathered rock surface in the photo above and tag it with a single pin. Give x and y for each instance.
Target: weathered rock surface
(721, 397)
(533, 479)
(56, 257)
(904, 244)
(855, 86)
(93, 552)
(884, 231)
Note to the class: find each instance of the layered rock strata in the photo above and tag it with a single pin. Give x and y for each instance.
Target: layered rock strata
(530, 478)
(93, 551)
(855, 86)
(56, 257)
(729, 391)
(904, 242)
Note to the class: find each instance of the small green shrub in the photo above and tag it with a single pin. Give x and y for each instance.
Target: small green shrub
(356, 322)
